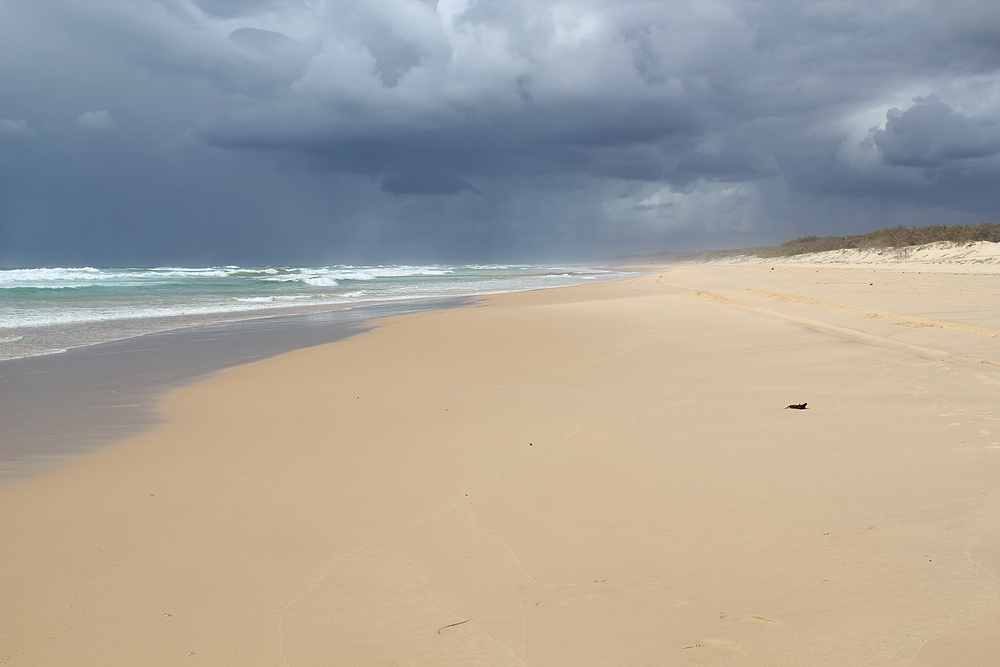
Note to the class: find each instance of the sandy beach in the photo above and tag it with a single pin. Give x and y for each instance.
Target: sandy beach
(595, 475)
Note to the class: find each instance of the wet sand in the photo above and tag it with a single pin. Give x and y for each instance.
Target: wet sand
(58, 405)
(597, 475)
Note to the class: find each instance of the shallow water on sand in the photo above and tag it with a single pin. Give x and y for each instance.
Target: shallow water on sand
(59, 405)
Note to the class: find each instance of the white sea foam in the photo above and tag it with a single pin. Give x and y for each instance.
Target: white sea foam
(405, 271)
(62, 278)
(320, 281)
(316, 281)
(287, 297)
(353, 275)
(55, 277)
(131, 293)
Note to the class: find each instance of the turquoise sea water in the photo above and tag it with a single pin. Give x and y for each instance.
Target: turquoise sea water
(79, 306)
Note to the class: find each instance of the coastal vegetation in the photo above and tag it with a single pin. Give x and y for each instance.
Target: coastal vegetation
(890, 237)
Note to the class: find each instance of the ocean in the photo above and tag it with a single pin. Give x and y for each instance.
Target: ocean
(86, 353)
(50, 310)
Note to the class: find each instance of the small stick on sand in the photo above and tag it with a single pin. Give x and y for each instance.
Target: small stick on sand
(797, 406)
(451, 625)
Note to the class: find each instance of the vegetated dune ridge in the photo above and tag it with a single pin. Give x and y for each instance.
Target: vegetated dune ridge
(940, 255)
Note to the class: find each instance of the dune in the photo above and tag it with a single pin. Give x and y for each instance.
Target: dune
(973, 257)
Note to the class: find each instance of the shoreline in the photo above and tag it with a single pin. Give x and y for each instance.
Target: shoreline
(40, 341)
(88, 318)
(54, 407)
(592, 475)
(55, 339)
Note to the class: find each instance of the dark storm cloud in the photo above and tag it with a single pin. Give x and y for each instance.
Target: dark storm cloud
(931, 133)
(480, 129)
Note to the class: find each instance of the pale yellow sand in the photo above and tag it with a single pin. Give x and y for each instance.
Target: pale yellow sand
(973, 257)
(603, 475)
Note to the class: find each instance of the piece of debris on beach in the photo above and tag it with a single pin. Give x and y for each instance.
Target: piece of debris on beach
(796, 406)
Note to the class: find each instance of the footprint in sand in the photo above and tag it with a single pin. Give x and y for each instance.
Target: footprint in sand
(717, 644)
(752, 618)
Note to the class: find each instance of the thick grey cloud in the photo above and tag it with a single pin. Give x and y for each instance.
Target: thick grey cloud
(307, 130)
(95, 120)
(238, 8)
(930, 133)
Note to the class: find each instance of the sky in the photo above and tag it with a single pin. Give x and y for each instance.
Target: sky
(267, 132)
